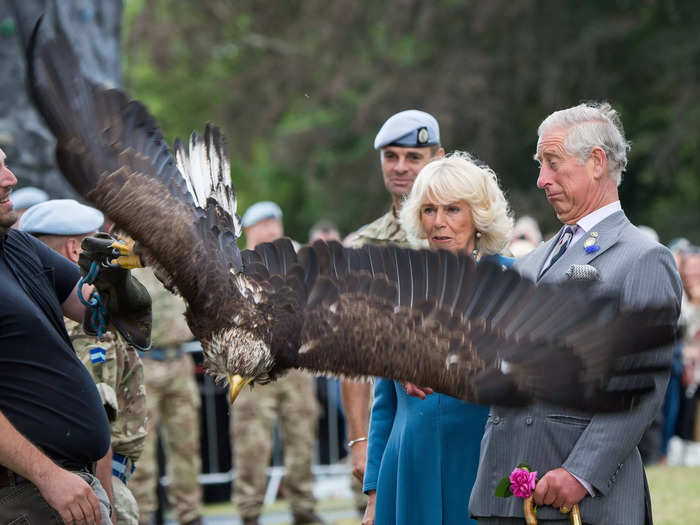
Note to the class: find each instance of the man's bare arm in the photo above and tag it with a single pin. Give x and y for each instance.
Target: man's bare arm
(72, 307)
(355, 398)
(66, 492)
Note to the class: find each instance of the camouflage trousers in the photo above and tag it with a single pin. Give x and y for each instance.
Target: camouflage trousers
(291, 400)
(126, 511)
(173, 407)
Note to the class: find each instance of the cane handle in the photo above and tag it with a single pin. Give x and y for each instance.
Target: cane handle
(531, 517)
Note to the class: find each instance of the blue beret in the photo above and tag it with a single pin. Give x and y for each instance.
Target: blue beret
(61, 217)
(260, 211)
(409, 129)
(27, 197)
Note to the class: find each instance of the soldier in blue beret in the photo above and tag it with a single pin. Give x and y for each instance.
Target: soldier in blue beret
(262, 222)
(261, 211)
(24, 198)
(291, 401)
(407, 141)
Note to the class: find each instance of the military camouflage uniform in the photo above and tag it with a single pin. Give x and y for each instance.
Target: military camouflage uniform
(118, 373)
(255, 412)
(385, 230)
(173, 406)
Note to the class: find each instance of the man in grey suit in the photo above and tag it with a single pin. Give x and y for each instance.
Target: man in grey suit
(584, 458)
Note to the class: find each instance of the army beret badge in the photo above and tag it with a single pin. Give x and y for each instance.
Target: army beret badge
(422, 135)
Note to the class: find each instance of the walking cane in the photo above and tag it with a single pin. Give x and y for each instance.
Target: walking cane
(531, 518)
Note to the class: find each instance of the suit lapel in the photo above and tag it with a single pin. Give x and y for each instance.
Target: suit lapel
(608, 230)
(531, 264)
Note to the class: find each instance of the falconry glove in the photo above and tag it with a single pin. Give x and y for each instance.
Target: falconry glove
(126, 300)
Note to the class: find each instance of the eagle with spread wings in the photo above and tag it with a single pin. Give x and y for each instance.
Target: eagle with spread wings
(476, 332)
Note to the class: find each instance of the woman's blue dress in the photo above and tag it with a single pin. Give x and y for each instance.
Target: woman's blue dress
(423, 455)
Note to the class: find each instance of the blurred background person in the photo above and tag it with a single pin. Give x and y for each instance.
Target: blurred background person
(423, 454)
(173, 411)
(331, 421)
(525, 237)
(325, 231)
(649, 232)
(688, 419)
(115, 367)
(290, 400)
(407, 141)
(24, 198)
(672, 401)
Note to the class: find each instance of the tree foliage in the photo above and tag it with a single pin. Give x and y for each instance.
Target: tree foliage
(301, 88)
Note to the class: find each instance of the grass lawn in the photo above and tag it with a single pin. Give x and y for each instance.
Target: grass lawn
(675, 494)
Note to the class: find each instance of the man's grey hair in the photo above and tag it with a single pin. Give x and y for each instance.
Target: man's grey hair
(590, 125)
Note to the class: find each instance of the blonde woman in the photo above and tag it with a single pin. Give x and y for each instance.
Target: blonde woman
(423, 454)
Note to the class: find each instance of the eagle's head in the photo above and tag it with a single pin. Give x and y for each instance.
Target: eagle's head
(252, 351)
(254, 336)
(239, 355)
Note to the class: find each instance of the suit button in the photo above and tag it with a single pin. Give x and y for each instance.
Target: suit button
(528, 420)
(496, 420)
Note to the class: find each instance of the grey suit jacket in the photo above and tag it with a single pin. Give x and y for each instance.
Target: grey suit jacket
(599, 448)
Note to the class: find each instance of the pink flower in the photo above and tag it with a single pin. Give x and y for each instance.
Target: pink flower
(522, 482)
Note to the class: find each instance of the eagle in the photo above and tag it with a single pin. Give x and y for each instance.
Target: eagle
(473, 331)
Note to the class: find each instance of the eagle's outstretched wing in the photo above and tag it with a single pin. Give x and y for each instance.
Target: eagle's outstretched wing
(180, 209)
(476, 332)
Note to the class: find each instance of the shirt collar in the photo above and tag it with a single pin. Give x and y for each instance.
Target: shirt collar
(593, 218)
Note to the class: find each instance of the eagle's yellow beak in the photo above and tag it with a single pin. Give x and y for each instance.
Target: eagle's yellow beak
(236, 384)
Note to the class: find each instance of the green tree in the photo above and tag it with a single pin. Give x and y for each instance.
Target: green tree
(300, 88)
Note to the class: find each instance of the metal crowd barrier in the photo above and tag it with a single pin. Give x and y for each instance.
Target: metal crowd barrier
(217, 472)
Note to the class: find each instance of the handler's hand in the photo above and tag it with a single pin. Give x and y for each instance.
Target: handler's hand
(368, 518)
(358, 453)
(559, 489)
(72, 497)
(421, 392)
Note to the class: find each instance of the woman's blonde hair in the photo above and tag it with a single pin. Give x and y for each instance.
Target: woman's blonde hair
(459, 177)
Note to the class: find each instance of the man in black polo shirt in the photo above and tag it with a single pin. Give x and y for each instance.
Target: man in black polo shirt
(52, 422)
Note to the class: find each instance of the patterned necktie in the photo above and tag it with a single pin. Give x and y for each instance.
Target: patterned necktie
(561, 247)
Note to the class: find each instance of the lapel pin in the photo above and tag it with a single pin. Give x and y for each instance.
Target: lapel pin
(591, 244)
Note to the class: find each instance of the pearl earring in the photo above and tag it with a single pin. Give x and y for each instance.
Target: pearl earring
(475, 251)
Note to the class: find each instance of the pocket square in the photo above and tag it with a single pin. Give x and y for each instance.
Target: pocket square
(583, 272)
